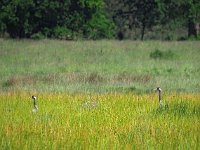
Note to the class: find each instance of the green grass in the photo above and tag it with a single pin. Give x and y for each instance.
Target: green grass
(98, 66)
(118, 121)
(98, 94)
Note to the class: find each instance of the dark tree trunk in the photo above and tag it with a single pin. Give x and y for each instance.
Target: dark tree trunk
(120, 35)
(197, 28)
(143, 31)
(193, 28)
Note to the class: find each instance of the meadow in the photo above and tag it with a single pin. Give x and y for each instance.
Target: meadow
(99, 94)
(99, 66)
(105, 121)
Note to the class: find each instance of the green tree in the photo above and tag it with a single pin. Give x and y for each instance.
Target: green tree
(187, 11)
(54, 18)
(193, 16)
(14, 17)
(142, 14)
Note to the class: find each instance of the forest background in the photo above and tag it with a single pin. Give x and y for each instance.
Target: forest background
(100, 19)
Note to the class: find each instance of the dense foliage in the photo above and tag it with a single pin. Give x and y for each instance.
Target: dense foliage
(66, 19)
(95, 19)
(158, 19)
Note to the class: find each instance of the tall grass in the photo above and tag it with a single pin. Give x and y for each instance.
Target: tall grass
(98, 66)
(86, 94)
(117, 121)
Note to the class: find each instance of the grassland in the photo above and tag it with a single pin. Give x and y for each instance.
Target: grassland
(98, 94)
(116, 121)
(98, 66)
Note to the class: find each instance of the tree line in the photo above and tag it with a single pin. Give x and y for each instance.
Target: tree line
(98, 19)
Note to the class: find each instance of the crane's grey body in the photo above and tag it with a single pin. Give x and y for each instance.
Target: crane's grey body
(159, 96)
(35, 109)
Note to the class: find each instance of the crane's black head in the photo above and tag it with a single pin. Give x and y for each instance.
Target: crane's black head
(33, 97)
(158, 89)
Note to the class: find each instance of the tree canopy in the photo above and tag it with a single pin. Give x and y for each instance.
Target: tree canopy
(97, 19)
(55, 19)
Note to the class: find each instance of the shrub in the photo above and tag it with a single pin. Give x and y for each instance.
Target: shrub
(157, 54)
(62, 33)
(182, 38)
(169, 37)
(37, 36)
(99, 27)
(193, 38)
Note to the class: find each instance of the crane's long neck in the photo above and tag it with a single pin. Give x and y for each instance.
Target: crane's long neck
(34, 101)
(160, 100)
(159, 96)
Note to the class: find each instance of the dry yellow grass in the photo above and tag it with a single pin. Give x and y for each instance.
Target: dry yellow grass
(99, 121)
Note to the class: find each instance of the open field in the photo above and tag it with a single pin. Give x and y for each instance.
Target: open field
(99, 66)
(99, 94)
(105, 121)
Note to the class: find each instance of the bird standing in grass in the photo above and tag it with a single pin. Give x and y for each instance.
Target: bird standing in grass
(159, 96)
(35, 109)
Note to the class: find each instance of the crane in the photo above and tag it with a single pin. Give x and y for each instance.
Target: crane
(159, 96)
(35, 109)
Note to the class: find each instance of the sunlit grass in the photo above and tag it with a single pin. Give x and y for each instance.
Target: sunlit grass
(118, 121)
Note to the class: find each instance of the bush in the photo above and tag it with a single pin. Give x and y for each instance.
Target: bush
(99, 27)
(37, 36)
(157, 54)
(182, 38)
(193, 38)
(62, 33)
